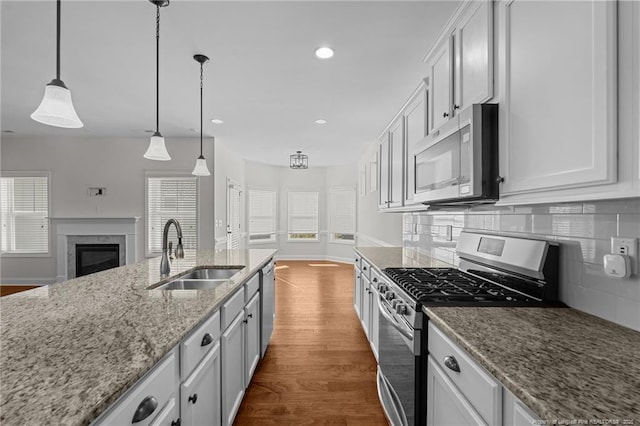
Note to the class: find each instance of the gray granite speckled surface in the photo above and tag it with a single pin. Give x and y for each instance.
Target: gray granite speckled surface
(67, 351)
(397, 257)
(562, 363)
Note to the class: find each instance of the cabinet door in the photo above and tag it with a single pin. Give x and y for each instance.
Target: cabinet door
(375, 322)
(200, 393)
(473, 58)
(232, 346)
(440, 71)
(446, 406)
(383, 173)
(560, 118)
(365, 305)
(252, 337)
(357, 294)
(415, 124)
(169, 416)
(396, 140)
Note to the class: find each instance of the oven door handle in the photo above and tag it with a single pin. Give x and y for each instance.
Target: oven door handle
(390, 401)
(385, 313)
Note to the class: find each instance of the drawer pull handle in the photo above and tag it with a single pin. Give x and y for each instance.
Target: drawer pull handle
(193, 398)
(175, 423)
(206, 339)
(364, 268)
(144, 410)
(451, 363)
(375, 280)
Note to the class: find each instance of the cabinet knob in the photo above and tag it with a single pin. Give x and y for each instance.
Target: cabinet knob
(250, 315)
(144, 410)
(193, 398)
(445, 114)
(175, 423)
(456, 107)
(206, 339)
(364, 268)
(375, 280)
(451, 363)
(245, 321)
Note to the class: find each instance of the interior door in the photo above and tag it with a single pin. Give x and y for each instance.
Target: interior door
(234, 197)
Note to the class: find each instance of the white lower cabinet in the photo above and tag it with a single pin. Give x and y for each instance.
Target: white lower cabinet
(366, 306)
(357, 292)
(169, 416)
(516, 413)
(252, 337)
(200, 393)
(232, 343)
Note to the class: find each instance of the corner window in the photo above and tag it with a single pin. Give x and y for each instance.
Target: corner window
(302, 216)
(24, 215)
(262, 216)
(342, 215)
(171, 198)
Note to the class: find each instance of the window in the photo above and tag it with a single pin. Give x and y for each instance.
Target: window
(171, 198)
(303, 216)
(342, 215)
(24, 215)
(262, 216)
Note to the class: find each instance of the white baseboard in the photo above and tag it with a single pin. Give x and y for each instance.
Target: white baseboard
(367, 240)
(27, 281)
(314, 257)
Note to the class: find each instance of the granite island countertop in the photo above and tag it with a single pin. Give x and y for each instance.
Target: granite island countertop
(564, 364)
(69, 350)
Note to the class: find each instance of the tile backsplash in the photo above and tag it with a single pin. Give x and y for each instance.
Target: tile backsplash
(583, 230)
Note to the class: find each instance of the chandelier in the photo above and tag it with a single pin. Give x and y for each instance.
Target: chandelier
(299, 160)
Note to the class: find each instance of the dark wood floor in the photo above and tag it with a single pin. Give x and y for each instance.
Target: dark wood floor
(5, 290)
(319, 368)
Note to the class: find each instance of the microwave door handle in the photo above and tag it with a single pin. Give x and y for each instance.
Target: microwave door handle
(385, 313)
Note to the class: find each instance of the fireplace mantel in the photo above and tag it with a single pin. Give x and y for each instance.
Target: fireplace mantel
(98, 226)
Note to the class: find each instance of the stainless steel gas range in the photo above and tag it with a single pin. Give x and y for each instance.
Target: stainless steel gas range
(493, 271)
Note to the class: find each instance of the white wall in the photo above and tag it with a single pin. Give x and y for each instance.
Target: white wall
(117, 164)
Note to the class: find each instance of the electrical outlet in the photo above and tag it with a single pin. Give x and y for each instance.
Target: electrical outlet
(626, 246)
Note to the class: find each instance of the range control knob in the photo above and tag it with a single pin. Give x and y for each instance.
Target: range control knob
(389, 295)
(383, 288)
(395, 303)
(401, 309)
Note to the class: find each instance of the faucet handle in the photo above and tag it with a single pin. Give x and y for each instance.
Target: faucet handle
(170, 250)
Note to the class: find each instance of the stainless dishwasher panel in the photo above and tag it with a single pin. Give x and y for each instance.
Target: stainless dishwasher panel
(267, 305)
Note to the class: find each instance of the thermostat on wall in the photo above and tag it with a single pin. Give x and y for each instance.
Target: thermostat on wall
(97, 191)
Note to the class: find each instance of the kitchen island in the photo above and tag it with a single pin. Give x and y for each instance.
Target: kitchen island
(69, 350)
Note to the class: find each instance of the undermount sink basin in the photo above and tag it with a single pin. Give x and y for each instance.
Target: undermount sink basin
(200, 279)
(211, 274)
(182, 284)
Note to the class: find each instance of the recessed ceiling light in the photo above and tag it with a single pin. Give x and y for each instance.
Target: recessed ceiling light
(324, 52)
(217, 121)
(321, 121)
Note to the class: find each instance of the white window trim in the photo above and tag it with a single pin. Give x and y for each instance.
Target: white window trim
(331, 238)
(33, 173)
(275, 216)
(167, 174)
(286, 231)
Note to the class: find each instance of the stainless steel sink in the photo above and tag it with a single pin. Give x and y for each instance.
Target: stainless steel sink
(182, 284)
(211, 274)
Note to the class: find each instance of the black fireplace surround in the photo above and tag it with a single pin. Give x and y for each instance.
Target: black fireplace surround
(91, 258)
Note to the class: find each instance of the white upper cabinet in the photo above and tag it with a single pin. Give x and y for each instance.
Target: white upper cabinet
(460, 66)
(384, 166)
(415, 124)
(396, 139)
(558, 89)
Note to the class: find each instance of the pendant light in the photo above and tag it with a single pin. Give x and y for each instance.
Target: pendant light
(56, 108)
(157, 150)
(299, 161)
(201, 168)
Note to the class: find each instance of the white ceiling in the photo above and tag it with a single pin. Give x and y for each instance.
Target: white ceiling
(263, 79)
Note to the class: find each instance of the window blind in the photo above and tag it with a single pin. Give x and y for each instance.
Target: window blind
(303, 215)
(24, 212)
(171, 198)
(262, 215)
(342, 214)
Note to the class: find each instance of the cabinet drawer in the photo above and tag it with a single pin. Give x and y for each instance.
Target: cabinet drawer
(479, 387)
(232, 308)
(169, 415)
(196, 346)
(357, 260)
(366, 269)
(251, 287)
(376, 279)
(157, 387)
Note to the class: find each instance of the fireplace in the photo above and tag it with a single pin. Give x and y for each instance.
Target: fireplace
(91, 258)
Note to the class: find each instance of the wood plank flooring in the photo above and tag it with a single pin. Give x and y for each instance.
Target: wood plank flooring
(319, 368)
(6, 290)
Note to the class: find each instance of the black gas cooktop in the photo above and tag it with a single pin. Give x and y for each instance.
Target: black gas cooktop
(453, 287)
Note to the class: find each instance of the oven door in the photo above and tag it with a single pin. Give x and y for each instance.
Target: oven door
(399, 352)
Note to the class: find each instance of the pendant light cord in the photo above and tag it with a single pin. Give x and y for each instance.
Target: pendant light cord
(201, 85)
(157, 69)
(58, 40)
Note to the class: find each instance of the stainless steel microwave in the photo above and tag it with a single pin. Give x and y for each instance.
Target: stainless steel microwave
(458, 164)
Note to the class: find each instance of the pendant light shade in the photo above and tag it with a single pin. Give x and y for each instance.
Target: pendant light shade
(157, 149)
(201, 168)
(56, 108)
(299, 161)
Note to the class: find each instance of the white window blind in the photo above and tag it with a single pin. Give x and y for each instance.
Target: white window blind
(342, 214)
(262, 215)
(24, 212)
(303, 215)
(171, 198)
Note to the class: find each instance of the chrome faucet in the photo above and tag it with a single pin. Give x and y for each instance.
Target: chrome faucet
(165, 266)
